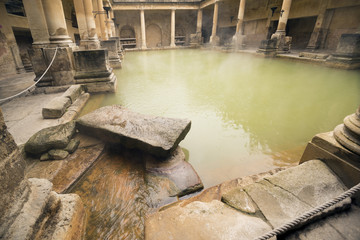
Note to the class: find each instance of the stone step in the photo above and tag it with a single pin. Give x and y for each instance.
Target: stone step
(256, 208)
(24, 214)
(43, 214)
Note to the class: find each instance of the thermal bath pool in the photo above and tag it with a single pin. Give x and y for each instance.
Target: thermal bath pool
(248, 114)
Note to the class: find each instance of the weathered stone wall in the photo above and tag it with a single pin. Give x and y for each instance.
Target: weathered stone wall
(344, 20)
(131, 19)
(12, 167)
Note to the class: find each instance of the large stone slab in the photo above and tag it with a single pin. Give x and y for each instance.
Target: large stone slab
(198, 220)
(56, 137)
(115, 124)
(312, 182)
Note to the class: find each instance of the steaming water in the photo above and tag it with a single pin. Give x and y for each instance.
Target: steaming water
(248, 115)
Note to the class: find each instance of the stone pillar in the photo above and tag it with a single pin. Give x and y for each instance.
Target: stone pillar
(91, 26)
(37, 22)
(55, 19)
(81, 21)
(113, 31)
(317, 34)
(11, 57)
(214, 40)
(283, 42)
(108, 26)
(102, 18)
(238, 38)
(199, 21)
(97, 19)
(143, 30)
(196, 39)
(172, 40)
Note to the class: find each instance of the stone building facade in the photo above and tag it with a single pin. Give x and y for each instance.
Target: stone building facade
(169, 23)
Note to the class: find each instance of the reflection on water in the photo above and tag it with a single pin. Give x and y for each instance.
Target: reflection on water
(248, 114)
(114, 195)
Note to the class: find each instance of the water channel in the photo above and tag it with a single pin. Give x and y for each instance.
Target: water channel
(248, 115)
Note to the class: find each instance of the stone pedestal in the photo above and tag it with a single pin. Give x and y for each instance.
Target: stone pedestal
(93, 70)
(112, 47)
(238, 41)
(340, 150)
(347, 54)
(62, 69)
(119, 47)
(214, 41)
(39, 64)
(267, 48)
(283, 42)
(196, 39)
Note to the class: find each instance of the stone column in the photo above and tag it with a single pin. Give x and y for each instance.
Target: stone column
(55, 19)
(214, 40)
(317, 34)
(238, 38)
(37, 22)
(113, 31)
(199, 21)
(108, 25)
(90, 21)
(81, 20)
(283, 43)
(97, 19)
(172, 40)
(143, 31)
(102, 18)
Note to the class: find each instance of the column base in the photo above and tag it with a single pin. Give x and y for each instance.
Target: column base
(90, 44)
(283, 42)
(267, 48)
(196, 39)
(62, 70)
(238, 41)
(173, 45)
(214, 41)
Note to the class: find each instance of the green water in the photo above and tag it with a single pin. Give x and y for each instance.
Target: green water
(248, 114)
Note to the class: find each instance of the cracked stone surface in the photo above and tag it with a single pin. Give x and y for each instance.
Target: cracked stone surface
(115, 124)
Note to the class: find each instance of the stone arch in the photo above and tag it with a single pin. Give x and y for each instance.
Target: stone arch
(127, 31)
(153, 36)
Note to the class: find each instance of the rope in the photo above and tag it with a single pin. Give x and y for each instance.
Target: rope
(27, 89)
(284, 228)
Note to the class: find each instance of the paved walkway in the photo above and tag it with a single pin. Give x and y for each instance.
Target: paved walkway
(13, 84)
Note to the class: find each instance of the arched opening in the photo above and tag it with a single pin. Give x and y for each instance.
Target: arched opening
(127, 37)
(153, 36)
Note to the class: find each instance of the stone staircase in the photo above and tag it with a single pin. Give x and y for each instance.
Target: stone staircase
(249, 209)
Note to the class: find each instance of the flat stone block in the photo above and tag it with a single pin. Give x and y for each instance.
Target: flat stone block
(198, 220)
(115, 124)
(313, 55)
(73, 92)
(91, 60)
(312, 182)
(56, 107)
(101, 86)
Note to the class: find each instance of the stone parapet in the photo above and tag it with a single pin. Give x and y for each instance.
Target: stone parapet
(347, 53)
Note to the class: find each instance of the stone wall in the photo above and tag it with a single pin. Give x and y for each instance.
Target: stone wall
(12, 167)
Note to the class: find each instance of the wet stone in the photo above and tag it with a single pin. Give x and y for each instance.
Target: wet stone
(45, 157)
(56, 137)
(72, 146)
(58, 154)
(56, 107)
(239, 199)
(115, 124)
